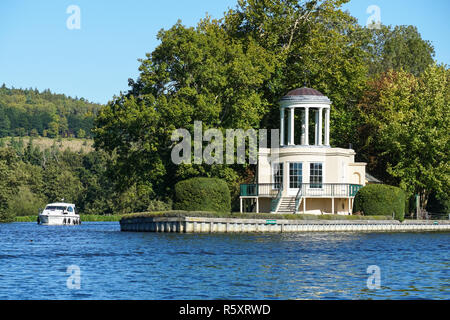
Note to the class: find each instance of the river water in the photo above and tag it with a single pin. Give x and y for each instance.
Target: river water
(97, 261)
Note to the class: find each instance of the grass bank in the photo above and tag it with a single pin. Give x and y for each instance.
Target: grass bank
(252, 216)
(73, 144)
(84, 218)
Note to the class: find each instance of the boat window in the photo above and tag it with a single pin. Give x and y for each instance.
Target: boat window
(52, 208)
(70, 209)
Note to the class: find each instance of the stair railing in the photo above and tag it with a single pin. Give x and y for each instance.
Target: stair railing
(298, 198)
(276, 201)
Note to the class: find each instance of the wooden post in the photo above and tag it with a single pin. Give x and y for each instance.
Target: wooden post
(304, 205)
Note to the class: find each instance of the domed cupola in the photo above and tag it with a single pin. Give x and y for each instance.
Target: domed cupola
(305, 95)
(307, 100)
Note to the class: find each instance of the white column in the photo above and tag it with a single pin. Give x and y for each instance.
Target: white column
(281, 126)
(291, 126)
(302, 142)
(320, 128)
(240, 204)
(306, 142)
(327, 126)
(257, 205)
(316, 127)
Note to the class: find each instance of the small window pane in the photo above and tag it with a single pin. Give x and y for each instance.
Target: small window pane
(315, 175)
(295, 175)
(278, 175)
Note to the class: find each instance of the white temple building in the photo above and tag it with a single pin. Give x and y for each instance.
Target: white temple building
(305, 174)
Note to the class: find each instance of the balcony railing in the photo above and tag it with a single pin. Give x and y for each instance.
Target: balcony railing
(262, 190)
(306, 190)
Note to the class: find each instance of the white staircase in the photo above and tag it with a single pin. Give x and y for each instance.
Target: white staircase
(287, 205)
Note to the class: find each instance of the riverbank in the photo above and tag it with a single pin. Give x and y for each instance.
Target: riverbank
(83, 217)
(237, 215)
(188, 222)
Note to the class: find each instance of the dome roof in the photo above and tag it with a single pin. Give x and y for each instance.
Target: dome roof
(305, 95)
(304, 92)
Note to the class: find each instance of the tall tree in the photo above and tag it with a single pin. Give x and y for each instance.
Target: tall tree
(404, 130)
(198, 74)
(8, 182)
(314, 46)
(399, 47)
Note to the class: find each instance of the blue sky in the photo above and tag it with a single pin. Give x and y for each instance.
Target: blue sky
(38, 50)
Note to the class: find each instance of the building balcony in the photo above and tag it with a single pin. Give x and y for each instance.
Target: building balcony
(310, 190)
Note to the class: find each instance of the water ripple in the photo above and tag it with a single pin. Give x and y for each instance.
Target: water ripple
(117, 265)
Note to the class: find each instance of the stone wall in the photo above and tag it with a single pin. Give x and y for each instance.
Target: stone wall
(232, 225)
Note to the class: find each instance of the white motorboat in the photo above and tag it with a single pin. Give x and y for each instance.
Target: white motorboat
(56, 214)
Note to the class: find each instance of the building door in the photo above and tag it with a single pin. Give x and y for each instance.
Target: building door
(295, 177)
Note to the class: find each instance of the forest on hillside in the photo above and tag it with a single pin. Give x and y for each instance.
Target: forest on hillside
(28, 112)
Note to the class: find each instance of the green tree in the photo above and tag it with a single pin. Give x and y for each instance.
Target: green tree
(5, 124)
(61, 184)
(230, 73)
(8, 182)
(81, 134)
(404, 130)
(399, 47)
(315, 45)
(194, 74)
(25, 202)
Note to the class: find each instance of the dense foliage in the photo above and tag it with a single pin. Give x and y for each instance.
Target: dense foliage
(439, 203)
(404, 133)
(202, 194)
(230, 73)
(30, 178)
(390, 100)
(30, 112)
(380, 199)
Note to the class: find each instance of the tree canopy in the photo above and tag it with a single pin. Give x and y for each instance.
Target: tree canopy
(30, 112)
(390, 100)
(231, 72)
(404, 129)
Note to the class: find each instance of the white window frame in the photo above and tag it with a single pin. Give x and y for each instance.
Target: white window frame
(323, 176)
(273, 175)
(301, 173)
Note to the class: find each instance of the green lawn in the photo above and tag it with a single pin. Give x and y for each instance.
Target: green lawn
(252, 216)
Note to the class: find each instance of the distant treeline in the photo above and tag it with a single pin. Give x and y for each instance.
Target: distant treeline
(31, 177)
(28, 112)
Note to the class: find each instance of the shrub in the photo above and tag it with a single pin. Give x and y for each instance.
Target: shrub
(157, 205)
(380, 199)
(202, 194)
(26, 203)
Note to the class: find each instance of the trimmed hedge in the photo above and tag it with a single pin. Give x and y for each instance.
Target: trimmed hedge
(202, 194)
(380, 200)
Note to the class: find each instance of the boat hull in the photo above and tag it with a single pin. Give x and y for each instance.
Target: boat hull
(59, 220)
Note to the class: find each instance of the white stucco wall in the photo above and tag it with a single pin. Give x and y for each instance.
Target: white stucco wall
(338, 164)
